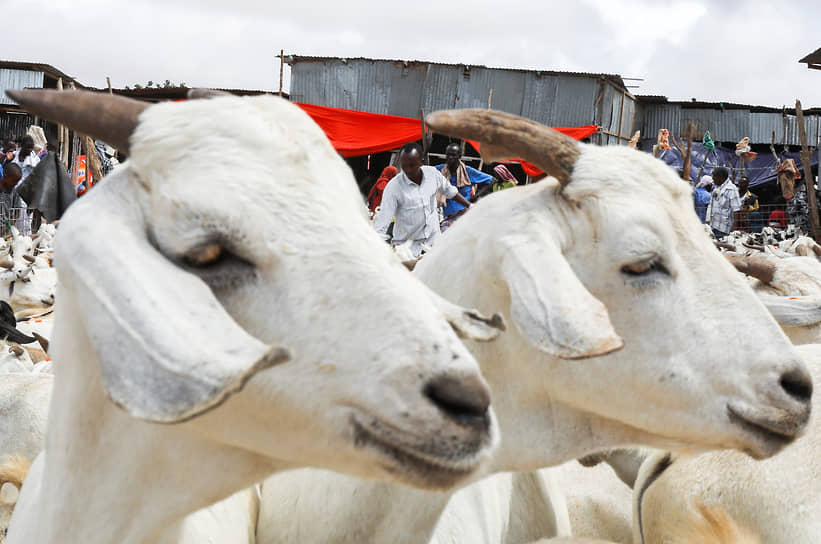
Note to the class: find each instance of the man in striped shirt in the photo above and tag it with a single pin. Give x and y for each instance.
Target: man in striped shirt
(724, 203)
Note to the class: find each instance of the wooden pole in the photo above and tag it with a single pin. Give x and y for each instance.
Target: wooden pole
(62, 137)
(621, 114)
(108, 82)
(92, 160)
(424, 136)
(490, 98)
(281, 68)
(809, 180)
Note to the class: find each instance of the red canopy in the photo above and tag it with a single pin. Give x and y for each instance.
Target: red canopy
(354, 133)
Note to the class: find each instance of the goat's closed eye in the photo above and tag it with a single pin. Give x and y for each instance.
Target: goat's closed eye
(204, 255)
(644, 267)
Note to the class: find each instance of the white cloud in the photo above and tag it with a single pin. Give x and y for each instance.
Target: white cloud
(709, 50)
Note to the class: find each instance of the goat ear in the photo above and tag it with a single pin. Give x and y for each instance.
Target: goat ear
(168, 350)
(549, 305)
(467, 323)
(793, 311)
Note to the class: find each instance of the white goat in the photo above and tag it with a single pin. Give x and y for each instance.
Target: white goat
(169, 318)
(580, 265)
(790, 288)
(777, 498)
(13, 471)
(24, 402)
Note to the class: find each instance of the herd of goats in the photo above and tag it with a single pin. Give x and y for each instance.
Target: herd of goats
(574, 362)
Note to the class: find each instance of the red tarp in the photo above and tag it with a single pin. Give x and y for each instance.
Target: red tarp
(577, 133)
(354, 133)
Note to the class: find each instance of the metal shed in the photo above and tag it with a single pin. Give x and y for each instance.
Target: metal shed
(405, 88)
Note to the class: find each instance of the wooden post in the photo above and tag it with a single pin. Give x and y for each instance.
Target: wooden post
(62, 137)
(490, 98)
(108, 82)
(621, 114)
(281, 68)
(809, 180)
(424, 137)
(92, 160)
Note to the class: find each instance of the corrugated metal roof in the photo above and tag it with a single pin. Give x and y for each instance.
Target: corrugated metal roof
(12, 79)
(297, 59)
(402, 88)
(812, 58)
(37, 67)
(729, 125)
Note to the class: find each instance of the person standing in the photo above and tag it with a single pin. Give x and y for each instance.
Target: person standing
(701, 197)
(410, 197)
(25, 156)
(375, 194)
(27, 159)
(506, 179)
(461, 176)
(725, 202)
(9, 199)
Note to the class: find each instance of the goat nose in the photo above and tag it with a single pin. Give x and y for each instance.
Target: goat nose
(463, 398)
(797, 383)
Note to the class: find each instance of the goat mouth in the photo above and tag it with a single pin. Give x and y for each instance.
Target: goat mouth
(769, 436)
(412, 466)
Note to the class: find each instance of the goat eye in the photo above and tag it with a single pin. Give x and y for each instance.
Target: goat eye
(204, 255)
(642, 268)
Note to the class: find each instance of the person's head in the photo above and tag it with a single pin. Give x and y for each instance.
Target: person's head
(453, 153)
(8, 146)
(11, 175)
(389, 172)
(720, 175)
(743, 185)
(26, 146)
(410, 159)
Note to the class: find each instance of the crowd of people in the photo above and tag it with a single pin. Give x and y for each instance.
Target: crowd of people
(22, 159)
(419, 202)
(16, 163)
(727, 207)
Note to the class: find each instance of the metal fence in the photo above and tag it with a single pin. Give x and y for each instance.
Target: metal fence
(17, 217)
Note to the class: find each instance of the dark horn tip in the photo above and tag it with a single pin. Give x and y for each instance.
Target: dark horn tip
(198, 93)
(15, 94)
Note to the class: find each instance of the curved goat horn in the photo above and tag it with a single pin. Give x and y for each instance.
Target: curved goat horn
(7, 263)
(41, 340)
(761, 269)
(102, 116)
(506, 136)
(29, 258)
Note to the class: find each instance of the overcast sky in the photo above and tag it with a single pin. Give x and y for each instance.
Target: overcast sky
(743, 52)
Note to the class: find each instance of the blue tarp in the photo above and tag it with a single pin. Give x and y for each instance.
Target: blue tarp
(761, 170)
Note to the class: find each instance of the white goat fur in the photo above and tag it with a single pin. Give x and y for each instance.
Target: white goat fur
(24, 402)
(777, 498)
(560, 252)
(134, 328)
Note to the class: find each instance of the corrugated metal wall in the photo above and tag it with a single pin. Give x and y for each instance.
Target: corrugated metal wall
(397, 88)
(729, 125)
(15, 125)
(17, 79)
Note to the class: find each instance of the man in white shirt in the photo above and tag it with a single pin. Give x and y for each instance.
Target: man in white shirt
(25, 156)
(724, 203)
(27, 159)
(410, 197)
